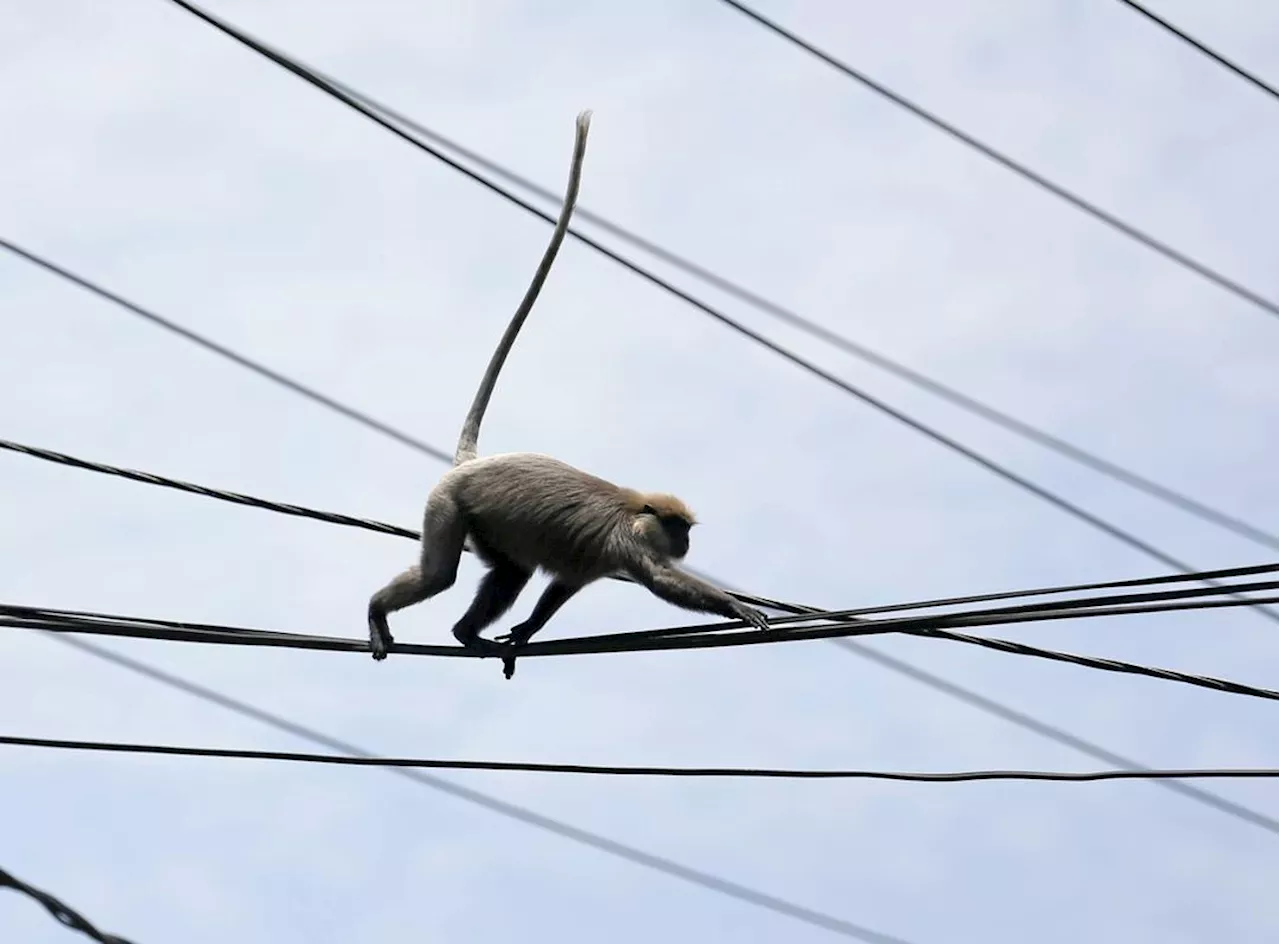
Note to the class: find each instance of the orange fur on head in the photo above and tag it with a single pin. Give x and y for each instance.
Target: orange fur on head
(665, 506)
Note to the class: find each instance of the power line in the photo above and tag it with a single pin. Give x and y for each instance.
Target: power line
(419, 445)
(975, 407)
(990, 465)
(705, 880)
(640, 771)
(1195, 43)
(1049, 732)
(899, 666)
(705, 636)
(364, 419)
(62, 912)
(1008, 163)
(902, 667)
(923, 626)
(896, 665)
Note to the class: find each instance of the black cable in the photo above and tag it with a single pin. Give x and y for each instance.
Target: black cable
(709, 636)
(713, 883)
(705, 880)
(1050, 732)
(1007, 162)
(998, 644)
(1077, 511)
(970, 697)
(248, 363)
(735, 290)
(901, 667)
(1195, 43)
(237, 498)
(640, 771)
(155, 319)
(62, 912)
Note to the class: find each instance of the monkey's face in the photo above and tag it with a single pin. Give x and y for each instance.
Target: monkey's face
(666, 534)
(677, 532)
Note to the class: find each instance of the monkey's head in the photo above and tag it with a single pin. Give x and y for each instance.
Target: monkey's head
(663, 521)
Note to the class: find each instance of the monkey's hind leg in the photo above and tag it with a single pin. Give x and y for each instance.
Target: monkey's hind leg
(555, 596)
(497, 591)
(444, 531)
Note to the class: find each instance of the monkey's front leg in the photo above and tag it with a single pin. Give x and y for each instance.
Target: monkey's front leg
(555, 596)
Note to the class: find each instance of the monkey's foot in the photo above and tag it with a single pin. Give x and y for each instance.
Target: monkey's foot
(380, 643)
(478, 644)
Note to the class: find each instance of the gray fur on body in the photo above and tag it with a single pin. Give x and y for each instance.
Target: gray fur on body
(541, 513)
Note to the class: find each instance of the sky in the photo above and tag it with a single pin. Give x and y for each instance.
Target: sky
(148, 152)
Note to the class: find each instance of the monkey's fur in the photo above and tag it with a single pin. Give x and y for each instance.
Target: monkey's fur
(523, 512)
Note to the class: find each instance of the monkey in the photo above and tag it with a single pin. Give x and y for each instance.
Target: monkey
(523, 512)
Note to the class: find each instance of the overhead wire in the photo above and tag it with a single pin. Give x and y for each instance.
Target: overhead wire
(975, 407)
(61, 911)
(951, 689)
(1002, 471)
(891, 663)
(615, 770)
(650, 640)
(434, 452)
(899, 666)
(706, 880)
(1202, 48)
(883, 660)
(834, 625)
(1004, 160)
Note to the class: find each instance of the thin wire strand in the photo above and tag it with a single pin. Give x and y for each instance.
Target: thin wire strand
(705, 880)
(1196, 44)
(1007, 162)
(992, 466)
(257, 367)
(975, 407)
(631, 770)
(62, 912)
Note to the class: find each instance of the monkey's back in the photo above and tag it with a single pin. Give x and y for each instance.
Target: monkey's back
(541, 513)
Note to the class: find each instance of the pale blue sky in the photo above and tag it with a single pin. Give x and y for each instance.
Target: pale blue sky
(145, 150)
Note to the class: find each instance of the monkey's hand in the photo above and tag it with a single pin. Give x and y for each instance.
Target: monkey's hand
(751, 615)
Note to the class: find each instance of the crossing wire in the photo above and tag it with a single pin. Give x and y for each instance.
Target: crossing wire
(975, 407)
(62, 912)
(1003, 645)
(951, 689)
(835, 625)
(901, 667)
(311, 78)
(705, 880)
(1202, 48)
(1007, 162)
(614, 770)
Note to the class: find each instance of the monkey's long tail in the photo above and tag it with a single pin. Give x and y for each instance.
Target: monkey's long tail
(471, 428)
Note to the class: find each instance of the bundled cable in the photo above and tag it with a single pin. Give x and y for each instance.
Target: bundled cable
(802, 627)
(65, 914)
